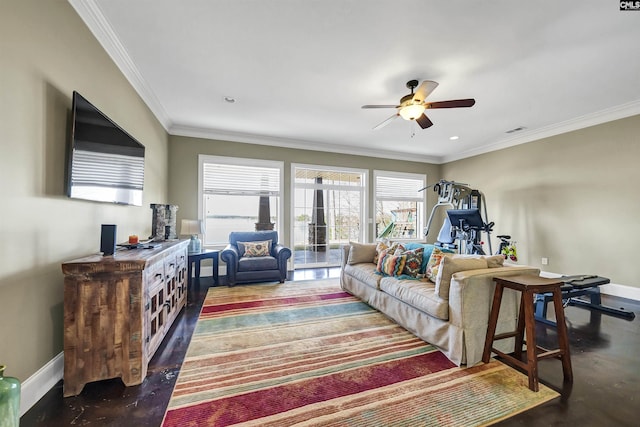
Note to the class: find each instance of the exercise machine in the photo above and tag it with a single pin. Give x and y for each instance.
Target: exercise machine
(458, 196)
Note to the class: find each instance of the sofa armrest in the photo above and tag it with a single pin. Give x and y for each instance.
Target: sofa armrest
(471, 294)
(345, 255)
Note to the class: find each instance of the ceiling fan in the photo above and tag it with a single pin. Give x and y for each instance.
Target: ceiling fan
(412, 106)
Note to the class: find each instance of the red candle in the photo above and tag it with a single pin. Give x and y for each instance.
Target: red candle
(133, 239)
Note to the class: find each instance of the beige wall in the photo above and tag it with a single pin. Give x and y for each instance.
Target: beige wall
(572, 198)
(46, 53)
(183, 166)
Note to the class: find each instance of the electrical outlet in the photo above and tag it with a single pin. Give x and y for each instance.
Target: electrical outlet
(545, 261)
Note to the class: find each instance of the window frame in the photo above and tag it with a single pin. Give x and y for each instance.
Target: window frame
(420, 219)
(239, 161)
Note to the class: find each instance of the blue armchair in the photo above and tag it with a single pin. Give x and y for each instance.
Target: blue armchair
(249, 259)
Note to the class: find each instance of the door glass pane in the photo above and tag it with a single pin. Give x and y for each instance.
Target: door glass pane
(328, 209)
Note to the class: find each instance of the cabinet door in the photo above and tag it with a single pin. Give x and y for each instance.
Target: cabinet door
(155, 309)
(181, 280)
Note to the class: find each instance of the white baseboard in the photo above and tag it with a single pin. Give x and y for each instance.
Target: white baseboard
(38, 384)
(621, 291)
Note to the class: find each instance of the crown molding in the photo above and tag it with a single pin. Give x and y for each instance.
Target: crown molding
(614, 113)
(197, 132)
(90, 13)
(99, 26)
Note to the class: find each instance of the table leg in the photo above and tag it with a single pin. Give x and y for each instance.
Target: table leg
(563, 337)
(197, 269)
(215, 270)
(493, 321)
(530, 326)
(517, 348)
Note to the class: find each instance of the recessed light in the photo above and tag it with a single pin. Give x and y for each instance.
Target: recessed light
(229, 99)
(454, 137)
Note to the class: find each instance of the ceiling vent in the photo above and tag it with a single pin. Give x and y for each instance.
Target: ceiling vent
(514, 130)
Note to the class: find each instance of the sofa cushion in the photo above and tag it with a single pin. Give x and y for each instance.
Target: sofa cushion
(361, 252)
(495, 261)
(452, 264)
(419, 294)
(257, 263)
(365, 273)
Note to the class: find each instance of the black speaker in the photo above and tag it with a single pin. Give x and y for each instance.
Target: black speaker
(108, 239)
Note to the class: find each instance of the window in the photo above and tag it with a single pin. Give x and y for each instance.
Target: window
(399, 205)
(239, 195)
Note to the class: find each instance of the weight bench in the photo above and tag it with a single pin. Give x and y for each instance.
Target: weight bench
(576, 286)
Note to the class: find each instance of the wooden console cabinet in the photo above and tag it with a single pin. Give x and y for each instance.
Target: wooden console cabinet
(117, 310)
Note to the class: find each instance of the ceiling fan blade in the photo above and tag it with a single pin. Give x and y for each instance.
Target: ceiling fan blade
(424, 121)
(424, 90)
(386, 122)
(455, 103)
(379, 106)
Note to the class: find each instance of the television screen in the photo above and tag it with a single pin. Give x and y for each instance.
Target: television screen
(105, 163)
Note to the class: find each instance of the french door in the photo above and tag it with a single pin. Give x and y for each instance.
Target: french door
(328, 212)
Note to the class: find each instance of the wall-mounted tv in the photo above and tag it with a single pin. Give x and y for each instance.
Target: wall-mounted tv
(104, 163)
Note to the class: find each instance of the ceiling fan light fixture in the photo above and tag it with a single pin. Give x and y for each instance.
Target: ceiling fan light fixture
(412, 112)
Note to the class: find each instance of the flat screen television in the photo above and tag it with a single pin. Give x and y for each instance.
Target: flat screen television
(104, 162)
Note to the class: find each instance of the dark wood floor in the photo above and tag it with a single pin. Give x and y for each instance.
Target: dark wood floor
(605, 392)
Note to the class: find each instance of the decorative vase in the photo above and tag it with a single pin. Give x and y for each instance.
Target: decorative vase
(9, 400)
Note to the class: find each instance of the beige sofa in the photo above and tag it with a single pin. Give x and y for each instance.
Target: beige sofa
(452, 313)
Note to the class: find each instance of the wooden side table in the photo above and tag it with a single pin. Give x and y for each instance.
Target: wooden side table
(528, 286)
(197, 257)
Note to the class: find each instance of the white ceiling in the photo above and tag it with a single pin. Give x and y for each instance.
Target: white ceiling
(301, 70)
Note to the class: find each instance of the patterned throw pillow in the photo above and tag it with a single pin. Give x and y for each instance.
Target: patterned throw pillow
(434, 264)
(381, 246)
(413, 263)
(256, 249)
(391, 265)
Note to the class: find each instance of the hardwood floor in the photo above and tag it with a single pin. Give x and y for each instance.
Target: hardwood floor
(604, 352)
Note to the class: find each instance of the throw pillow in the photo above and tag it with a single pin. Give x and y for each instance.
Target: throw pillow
(256, 249)
(413, 262)
(361, 252)
(450, 265)
(391, 265)
(381, 246)
(428, 248)
(431, 272)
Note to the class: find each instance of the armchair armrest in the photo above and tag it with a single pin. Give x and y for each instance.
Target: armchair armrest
(281, 253)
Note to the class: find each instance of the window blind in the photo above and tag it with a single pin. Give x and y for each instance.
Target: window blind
(240, 180)
(395, 188)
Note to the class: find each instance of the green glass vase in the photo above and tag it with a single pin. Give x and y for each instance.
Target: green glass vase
(9, 400)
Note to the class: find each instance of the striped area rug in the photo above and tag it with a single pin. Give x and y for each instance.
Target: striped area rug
(309, 354)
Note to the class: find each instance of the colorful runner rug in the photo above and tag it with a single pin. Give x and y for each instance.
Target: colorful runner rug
(307, 353)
